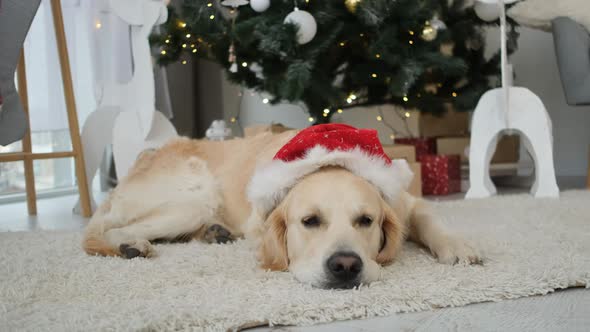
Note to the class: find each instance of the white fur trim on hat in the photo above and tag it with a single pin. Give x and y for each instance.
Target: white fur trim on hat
(271, 183)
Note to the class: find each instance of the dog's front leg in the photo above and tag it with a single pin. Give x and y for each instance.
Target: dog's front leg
(425, 229)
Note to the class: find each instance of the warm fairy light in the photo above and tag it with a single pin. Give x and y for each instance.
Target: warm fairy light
(454, 94)
(326, 110)
(373, 75)
(211, 17)
(244, 64)
(348, 100)
(411, 32)
(193, 45)
(325, 115)
(378, 55)
(342, 44)
(405, 98)
(98, 25)
(339, 110)
(188, 35)
(439, 85)
(265, 100)
(167, 41)
(362, 34)
(392, 137)
(407, 114)
(379, 118)
(209, 4)
(183, 45)
(310, 119)
(233, 119)
(411, 42)
(163, 52)
(182, 24)
(184, 62)
(194, 50)
(353, 96)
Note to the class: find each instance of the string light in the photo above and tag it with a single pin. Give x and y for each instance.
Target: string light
(194, 50)
(325, 115)
(362, 34)
(405, 98)
(348, 100)
(265, 101)
(454, 94)
(379, 118)
(342, 44)
(182, 24)
(188, 35)
(184, 62)
(211, 17)
(353, 96)
(193, 45)
(310, 119)
(411, 32)
(407, 114)
(326, 110)
(411, 42)
(163, 52)
(233, 119)
(209, 4)
(373, 75)
(439, 85)
(244, 64)
(167, 41)
(98, 25)
(183, 45)
(378, 55)
(339, 110)
(392, 137)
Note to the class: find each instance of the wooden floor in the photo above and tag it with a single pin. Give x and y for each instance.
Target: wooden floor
(567, 310)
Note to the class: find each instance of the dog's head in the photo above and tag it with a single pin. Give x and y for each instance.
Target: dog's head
(332, 230)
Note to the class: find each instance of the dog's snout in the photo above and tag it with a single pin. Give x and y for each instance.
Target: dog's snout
(345, 266)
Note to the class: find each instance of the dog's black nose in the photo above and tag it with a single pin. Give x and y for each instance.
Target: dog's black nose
(345, 266)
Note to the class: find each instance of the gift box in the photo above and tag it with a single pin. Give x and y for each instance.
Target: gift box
(400, 151)
(423, 145)
(507, 149)
(274, 128)
(441, 174)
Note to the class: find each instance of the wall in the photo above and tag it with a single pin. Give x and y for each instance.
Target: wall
(535, 67)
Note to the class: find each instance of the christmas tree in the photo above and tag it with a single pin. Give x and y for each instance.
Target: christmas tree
(336, 54)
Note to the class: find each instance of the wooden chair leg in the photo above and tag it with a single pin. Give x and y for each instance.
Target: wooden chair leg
(27, 145)
(66, 75)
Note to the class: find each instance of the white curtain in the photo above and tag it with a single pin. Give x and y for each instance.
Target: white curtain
(99, 50)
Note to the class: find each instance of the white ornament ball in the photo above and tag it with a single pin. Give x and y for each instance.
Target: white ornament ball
(487, 11)
(307, 27)
(259, 5)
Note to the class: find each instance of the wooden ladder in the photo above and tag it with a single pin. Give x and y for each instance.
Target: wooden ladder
(27, 156)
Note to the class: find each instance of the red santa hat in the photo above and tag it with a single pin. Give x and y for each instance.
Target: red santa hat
(357, 150)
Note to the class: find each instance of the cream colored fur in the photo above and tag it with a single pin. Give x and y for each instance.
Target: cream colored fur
(187, 186)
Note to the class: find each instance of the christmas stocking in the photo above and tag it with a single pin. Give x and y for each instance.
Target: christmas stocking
(15, 19)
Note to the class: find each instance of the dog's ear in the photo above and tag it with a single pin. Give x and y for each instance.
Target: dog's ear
(392, 235)
(272, 252)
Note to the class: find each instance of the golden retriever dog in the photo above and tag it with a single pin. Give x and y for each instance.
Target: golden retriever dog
(331, 227)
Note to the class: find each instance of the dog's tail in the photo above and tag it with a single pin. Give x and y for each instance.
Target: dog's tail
(94, 241)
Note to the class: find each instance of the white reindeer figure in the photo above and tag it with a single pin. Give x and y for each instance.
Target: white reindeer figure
(126, 116)
(510, 110)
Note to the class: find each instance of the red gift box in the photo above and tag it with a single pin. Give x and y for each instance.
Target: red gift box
(423, 145)
(441, 174)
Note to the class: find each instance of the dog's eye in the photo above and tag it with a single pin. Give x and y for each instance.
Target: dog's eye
(365, 221)
(311, 221)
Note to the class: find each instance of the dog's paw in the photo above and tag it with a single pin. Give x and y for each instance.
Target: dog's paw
(457, 251)
(137, 248)
(218, 234)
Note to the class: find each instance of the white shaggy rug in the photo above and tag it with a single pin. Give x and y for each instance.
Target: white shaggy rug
(47, 284)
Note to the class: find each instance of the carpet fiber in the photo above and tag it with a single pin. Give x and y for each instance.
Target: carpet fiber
(47, 283)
